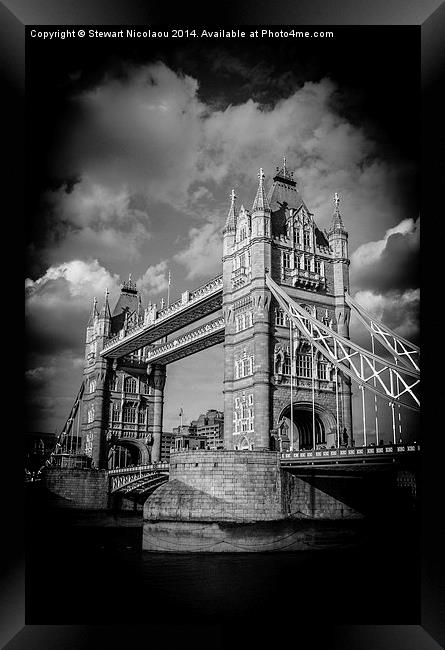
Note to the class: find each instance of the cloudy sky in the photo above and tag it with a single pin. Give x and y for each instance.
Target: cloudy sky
(133, 149)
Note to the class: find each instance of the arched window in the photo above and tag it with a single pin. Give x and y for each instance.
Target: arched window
(92, 385)
(130, 385)
(306, 238)
(143, 386)
(91, 415)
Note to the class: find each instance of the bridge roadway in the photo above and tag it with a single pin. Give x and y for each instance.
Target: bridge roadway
(192, 306)
(141, 479)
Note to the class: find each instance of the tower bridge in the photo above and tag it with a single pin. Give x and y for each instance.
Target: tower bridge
(289, 363)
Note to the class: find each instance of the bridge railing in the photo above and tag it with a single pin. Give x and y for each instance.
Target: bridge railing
(186, 339)
(349, 452)
(137, 469)
(188, 298)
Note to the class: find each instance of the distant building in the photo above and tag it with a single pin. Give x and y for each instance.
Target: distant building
(211, 425)
(167, 439)
(38, 446)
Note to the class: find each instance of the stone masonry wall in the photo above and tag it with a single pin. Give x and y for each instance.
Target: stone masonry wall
(82, 489)
(219, 486)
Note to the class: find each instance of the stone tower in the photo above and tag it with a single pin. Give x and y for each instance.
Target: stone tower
(123, 399)
(279, 236)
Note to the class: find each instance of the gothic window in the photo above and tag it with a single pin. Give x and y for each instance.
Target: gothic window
(244, 366)
(130, 385)
(92, 385)
(91, 415)
(129, 413)
(242, 233)
(317, 266)
(322, 370)
(286, 260)
(243, 417)
(307, 263)
(143, 387)
(306, 238)
(281, 318)
(286, 364)
(115, 412)
(113, 382)
(304, 366)
(142, 415)
(297, 236)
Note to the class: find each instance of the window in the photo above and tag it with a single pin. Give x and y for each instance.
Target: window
(281, 318)
(91, 415)
(304, 365)
(307, 263)
(115, 412)
(297, 236)
(92, 385)
(129, 414)
(286, 260)
(242, 233)
(322, 370)
(130, 385)
(243, 417)
(286, 364)
(113, 382)
(143, 387)
(243, 321)
(306, 238)
(244, 366)
(317, 267)
(142, 415)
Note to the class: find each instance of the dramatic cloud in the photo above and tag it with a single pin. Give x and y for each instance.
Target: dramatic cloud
(202, 256)
(389, 263)
(154, 280)
(154, 164)
(58, 304)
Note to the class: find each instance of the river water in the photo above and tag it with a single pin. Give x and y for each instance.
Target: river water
(90, 569)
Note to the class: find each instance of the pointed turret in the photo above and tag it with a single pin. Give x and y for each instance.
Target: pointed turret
(261, 202)
(105, 312)
(337, 223)
(94, 313)
(231, 217)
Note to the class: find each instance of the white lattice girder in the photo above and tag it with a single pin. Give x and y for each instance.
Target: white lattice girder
(393, 382)
(401, 348)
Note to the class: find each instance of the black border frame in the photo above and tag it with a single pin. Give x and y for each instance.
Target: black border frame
(430, 17)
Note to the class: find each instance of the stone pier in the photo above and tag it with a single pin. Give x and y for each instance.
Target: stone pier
(228, 501)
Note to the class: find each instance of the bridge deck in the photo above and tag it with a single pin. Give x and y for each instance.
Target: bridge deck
(193, 306)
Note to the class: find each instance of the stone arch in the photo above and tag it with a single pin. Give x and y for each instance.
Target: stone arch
(137, 452)
(325, 424)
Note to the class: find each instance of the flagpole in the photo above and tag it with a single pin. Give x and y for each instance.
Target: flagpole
(168, 289)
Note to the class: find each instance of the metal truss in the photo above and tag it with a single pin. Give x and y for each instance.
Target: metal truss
(402, 349)
(392, 382)
(68, 424)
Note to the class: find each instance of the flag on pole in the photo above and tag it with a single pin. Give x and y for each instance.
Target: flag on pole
(169, 278)
(181, 412)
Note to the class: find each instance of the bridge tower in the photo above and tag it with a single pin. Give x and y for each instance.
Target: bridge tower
(121, 404)
(279, 236)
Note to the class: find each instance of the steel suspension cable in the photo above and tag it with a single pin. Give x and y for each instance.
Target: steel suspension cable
(291, 386)
(375, 399)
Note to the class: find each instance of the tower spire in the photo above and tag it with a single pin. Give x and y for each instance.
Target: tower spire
(105, 312)
(94, 312)
(261, 202)
(337, 222)
(231, 217)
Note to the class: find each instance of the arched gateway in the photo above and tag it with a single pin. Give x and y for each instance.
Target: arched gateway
(295, 427)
